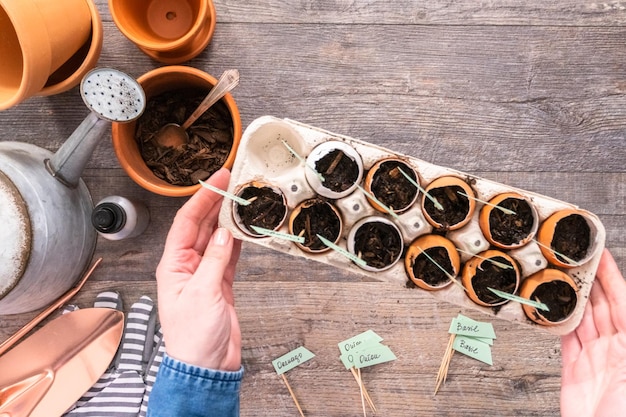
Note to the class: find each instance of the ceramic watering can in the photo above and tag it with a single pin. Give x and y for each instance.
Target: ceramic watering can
(46, 236)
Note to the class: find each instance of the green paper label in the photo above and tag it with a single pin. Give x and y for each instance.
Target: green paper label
(359, 341)
(465, 326)
(342, 251)
(292, 359)
(280, 235)
(371, 356)
(473, 348)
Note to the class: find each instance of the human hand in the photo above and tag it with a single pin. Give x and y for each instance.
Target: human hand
(195, 284)
(593, 378)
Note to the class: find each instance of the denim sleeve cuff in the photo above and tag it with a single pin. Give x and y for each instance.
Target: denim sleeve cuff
(182, 389)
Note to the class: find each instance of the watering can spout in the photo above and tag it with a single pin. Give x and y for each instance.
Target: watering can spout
(112, 96)
(70, 160)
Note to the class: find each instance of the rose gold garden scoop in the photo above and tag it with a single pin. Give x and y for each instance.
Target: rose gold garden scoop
(174, 135)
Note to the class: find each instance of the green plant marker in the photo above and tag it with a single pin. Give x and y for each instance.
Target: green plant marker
(496, 263)
(301, 159)
(292, 359)
(518, 299)
(473, 348)
(502, 209)
(342, 251)
(226, 194)
(450, 277)
(359, 341)
(373, 355)
(370, 195)
(437, 204)
(567, 259)
(279, 235)
(464, 326)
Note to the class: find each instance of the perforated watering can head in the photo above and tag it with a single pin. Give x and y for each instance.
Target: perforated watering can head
(112, 96)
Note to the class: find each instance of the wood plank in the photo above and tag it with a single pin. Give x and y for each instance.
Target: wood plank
(410, 12)
(453, 94)
(276, 317)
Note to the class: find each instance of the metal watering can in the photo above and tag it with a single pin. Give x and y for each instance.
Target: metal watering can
(46, 236)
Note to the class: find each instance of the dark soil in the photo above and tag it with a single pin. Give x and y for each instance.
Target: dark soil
(378, 244)
(560, 298)
(490, 275)
(340, 171)
(392, 188)
(455, 206)
(509, 229)
(572, 238)
(316, 217)
(210, 137)
(266, 208)
(425, 270)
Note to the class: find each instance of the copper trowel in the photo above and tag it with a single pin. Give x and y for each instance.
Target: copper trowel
(50, 370)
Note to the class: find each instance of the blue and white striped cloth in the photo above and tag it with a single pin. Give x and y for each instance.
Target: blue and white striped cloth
(124, 389)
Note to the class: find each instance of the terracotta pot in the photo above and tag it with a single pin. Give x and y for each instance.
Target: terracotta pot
(43, 51)
(431, 213)
(534, 283)
(312, 244)
(548, 231)
(383, 236)
(260, 206)
(156, 82)
(426, 243)
(479, 265)
(386, 169)
(329, 188)
(170, 31)
(489, 214)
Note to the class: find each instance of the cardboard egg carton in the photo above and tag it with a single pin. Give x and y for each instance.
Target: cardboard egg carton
(262, 156)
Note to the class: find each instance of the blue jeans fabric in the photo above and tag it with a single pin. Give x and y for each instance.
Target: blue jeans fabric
(185, 390)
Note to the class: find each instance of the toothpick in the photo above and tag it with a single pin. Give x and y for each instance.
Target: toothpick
(301, 159)
(567, 259)
(370, 195)
(496, 263)
(362, 386)
(521, 300)
(437, 204)
(502, 209)
(442, 375)
(293, 396)
(362, 396)
(449, 275)
(226, 194)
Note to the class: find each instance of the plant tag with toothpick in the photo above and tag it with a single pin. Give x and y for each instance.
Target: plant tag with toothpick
(289, 361)
(226, 194)
(279, 235)
(512, 297)
(469, 337)
(342, 251)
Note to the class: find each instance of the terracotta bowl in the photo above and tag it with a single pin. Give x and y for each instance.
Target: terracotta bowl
(169, 31)
(156, 82)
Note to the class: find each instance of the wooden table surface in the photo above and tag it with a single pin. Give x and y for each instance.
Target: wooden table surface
(528, 93)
